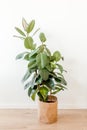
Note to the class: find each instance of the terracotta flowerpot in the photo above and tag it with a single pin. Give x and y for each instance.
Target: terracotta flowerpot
(47, 111)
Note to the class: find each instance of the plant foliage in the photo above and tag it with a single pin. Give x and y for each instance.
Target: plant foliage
(42, 66)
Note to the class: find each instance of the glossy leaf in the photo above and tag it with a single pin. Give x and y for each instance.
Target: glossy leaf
(42, 37)
(30, 26)
(20, 31)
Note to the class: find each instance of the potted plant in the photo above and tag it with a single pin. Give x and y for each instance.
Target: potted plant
(44, 76)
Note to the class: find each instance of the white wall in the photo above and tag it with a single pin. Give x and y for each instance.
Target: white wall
(65, 25)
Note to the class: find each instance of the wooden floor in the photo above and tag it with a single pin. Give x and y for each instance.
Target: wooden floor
(26, 119)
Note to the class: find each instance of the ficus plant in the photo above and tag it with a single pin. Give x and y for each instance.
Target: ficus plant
(44, 75)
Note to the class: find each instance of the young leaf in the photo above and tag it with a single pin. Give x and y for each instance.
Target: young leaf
(24, 24)
(57, 55)
(30, 26)
(20, 31)
(42, 37)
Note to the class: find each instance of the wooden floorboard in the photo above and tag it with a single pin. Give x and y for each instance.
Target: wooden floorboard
(26, 119)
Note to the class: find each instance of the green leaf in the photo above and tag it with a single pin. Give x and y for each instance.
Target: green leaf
(44, 92)
(34, 52)
(40, 96)
(36, 31)
(53, 74)
(21, 55)
(31, 83)
(28, 43)
(44, 74)
(48, 52)
(57, 55)
(48, 67)
(60, 68)
(26, 76)
(20, 31)
(32, 65)
(27, 85)
(26, 57)
(54, 92)
(42, 60)
(24, 24)
(52, 58)
(31, 26)
(33, 95)
(38, 80)
(58, 85)
(50, 83)
(42, 37)
(29, 91)
(59, 74)
(61, 80)
(22, 38)
(53, 65)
